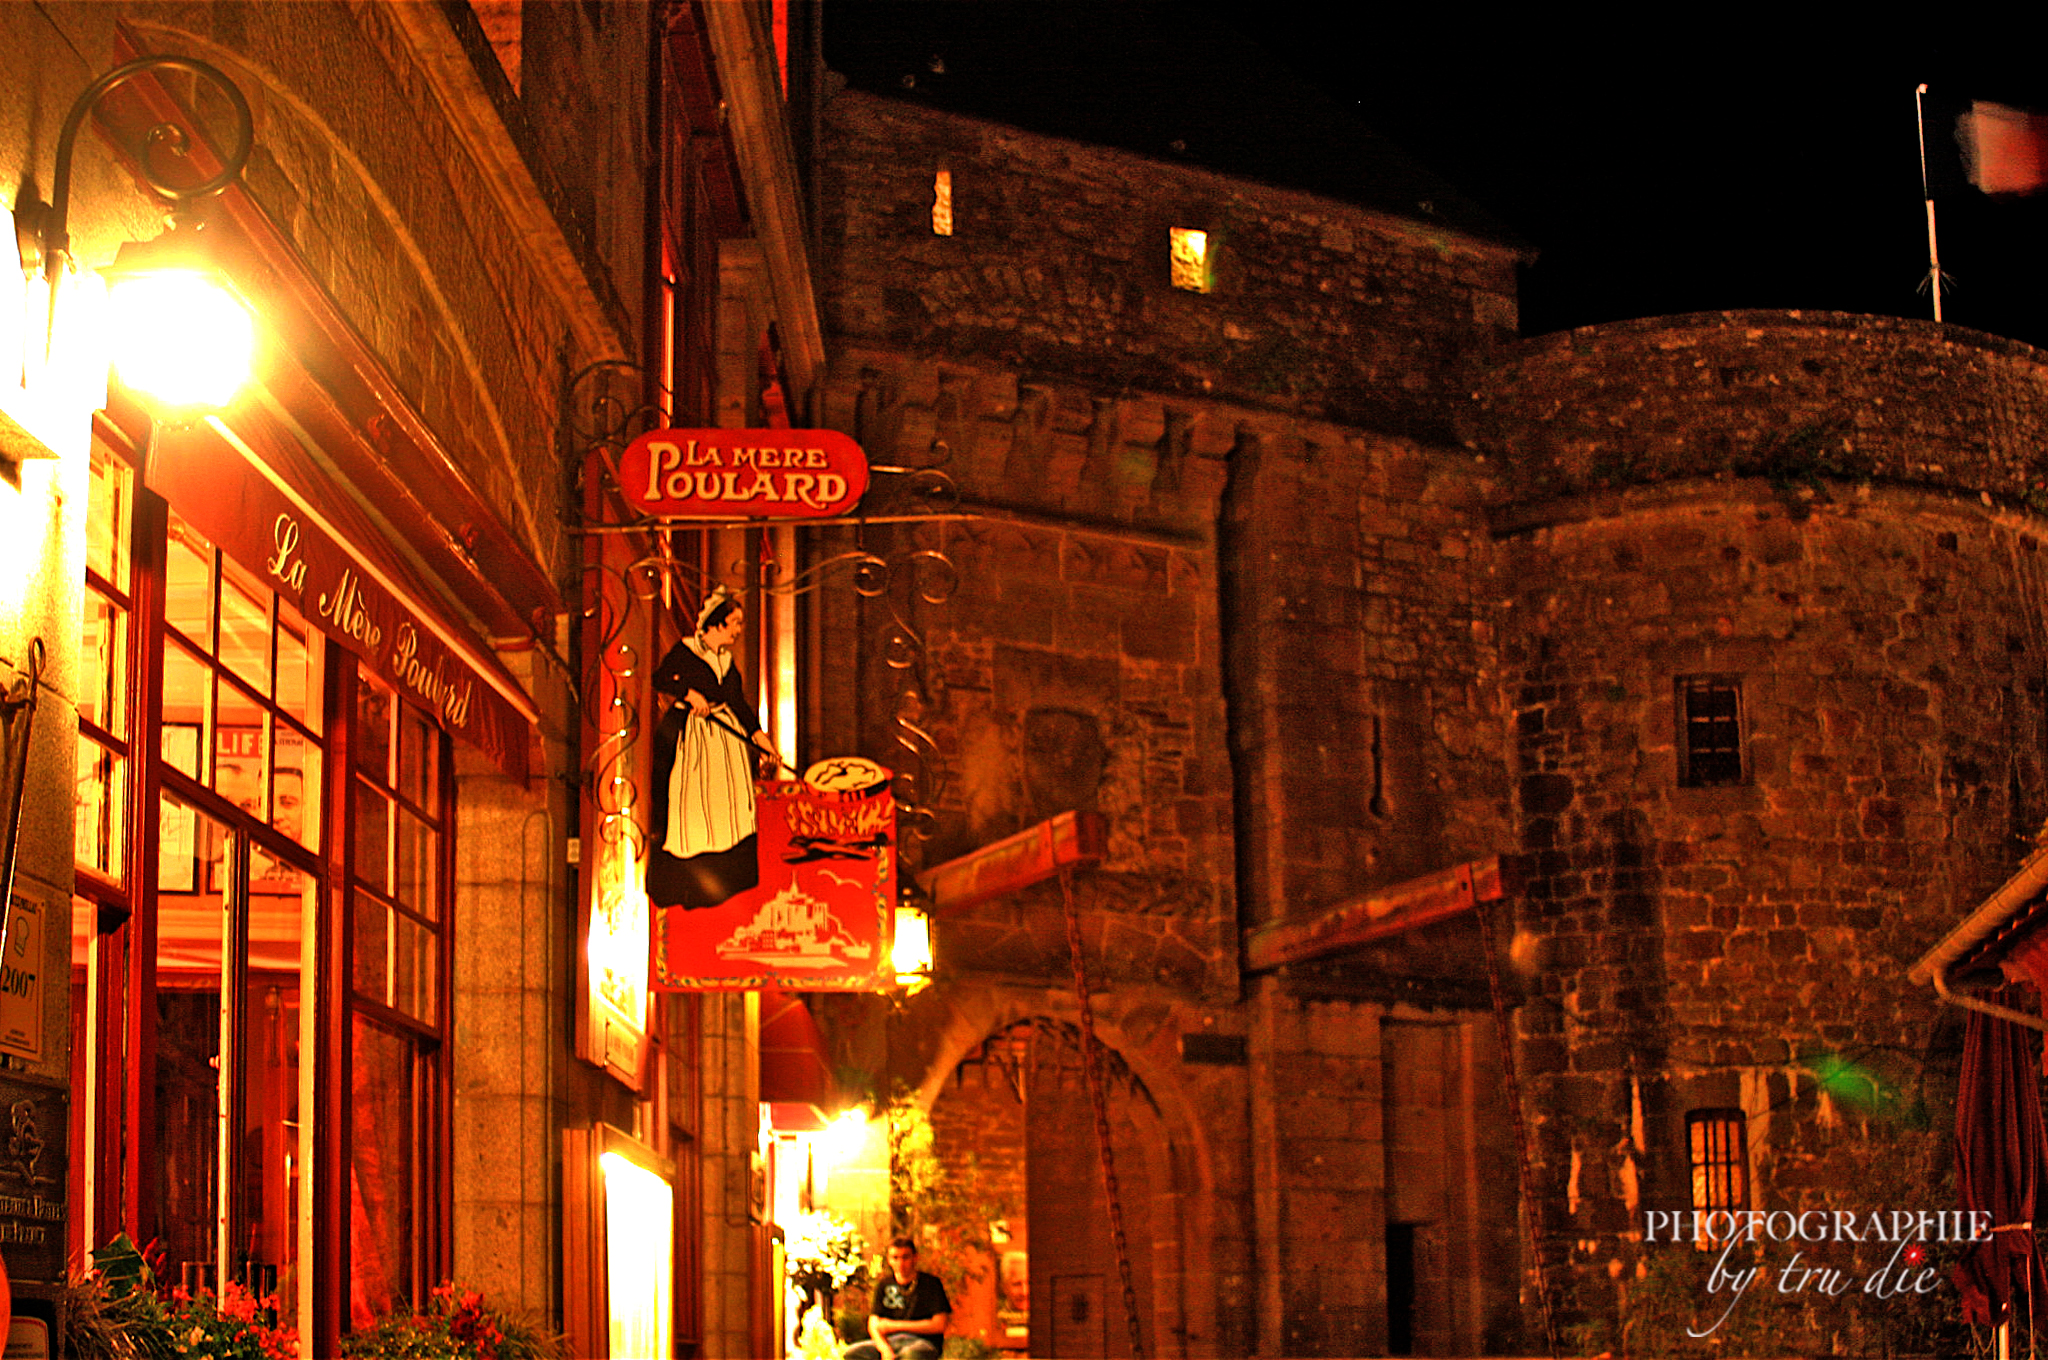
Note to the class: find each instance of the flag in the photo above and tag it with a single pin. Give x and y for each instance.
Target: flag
(2005, 150)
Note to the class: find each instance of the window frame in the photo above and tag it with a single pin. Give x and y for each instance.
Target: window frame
(1717, 1168)
(115, 979)
(1704, 740)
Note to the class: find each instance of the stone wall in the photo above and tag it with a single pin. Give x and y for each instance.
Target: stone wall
(1732, 947)
(1058, 263)
(1797, 398)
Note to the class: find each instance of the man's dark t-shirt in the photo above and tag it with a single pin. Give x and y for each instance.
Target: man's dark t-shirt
(926, 1298)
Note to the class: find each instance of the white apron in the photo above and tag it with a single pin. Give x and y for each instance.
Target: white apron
(711, 784)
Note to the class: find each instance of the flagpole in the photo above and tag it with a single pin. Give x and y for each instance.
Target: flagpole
(1927, 194)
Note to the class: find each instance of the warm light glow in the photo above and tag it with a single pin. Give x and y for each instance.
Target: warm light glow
(912, 954)
(1190, 259)
(942, 203)
(617, 948)
(844, 1137)
(639, 1239)
(181, 338)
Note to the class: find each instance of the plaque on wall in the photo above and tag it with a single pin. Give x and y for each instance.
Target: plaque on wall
(21, 991)
(34, 1142)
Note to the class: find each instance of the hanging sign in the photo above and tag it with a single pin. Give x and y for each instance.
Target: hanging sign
(820, 918)
(744, 474)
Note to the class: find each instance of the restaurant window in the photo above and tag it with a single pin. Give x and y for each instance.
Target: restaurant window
(1718, 1156)
(239, 751)
(398, 921)
(211, 728)
(1710, 730)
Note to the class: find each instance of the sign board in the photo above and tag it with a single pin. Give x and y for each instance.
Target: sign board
(32, 1164)
(252, 519)
(820, 918)
(21, 991)
(1388, 911)
(744, 474)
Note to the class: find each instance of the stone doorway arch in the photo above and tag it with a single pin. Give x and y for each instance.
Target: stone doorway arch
(1002, 1082)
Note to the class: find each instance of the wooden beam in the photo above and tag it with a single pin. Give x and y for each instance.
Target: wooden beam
(1072, 839)
(1387, 911)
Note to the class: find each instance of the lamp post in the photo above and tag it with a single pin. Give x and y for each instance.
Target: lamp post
(181, 334)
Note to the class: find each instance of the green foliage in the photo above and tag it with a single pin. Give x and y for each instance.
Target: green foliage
(116, 1313)
(969, 1348)
(944, 1202)
(456, 1325)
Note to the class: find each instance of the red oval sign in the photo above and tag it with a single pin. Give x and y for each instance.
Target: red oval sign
(744, 474)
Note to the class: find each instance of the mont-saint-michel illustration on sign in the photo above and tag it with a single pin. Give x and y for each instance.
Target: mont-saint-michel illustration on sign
(796, 930)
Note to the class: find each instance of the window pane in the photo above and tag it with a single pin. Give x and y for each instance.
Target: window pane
(188, 584)
(298, 667)
(188, 700)
(106, 528)
(192, 940)
(272, 1143)
(186, 1141)
(373, 730)
(370, 974)
(415, 986)
(102, 664)
(1190, 258)
(373, 838)
(100, 833)
(417, 845)
(384, 1171)
(245, 627)
(419, 750)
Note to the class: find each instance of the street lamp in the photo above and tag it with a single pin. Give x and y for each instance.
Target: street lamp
(911, 953)
(180, 334)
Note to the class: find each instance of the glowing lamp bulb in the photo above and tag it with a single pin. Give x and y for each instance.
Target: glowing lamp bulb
(181, 338)
(911, 955)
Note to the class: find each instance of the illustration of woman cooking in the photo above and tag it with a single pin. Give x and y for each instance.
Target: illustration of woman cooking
(702, 814)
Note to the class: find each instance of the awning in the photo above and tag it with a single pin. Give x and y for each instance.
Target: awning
(796, 1080)
(2008, 932)
(277, 514)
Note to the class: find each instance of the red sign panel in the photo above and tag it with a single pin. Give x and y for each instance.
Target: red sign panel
(744, 474)
(819, 920)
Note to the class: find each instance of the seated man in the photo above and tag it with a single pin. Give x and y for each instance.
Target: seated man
(908, 1319)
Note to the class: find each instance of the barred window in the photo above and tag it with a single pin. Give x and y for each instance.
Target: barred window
(1710, 730)
(1717, 1152)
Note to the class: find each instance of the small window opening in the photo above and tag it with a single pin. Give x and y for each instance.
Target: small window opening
(1190, 259)
(1717, 1151)
(1710, 736)
(942, 203)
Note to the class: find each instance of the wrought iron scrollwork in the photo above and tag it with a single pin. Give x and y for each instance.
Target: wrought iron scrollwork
(603, 414)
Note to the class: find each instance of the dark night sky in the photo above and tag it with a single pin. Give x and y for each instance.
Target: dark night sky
(1736, 164)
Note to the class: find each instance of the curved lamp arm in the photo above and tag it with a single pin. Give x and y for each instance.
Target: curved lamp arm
(56, 242)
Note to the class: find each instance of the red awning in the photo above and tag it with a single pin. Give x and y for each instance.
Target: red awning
(255, 491)
(794, 1071)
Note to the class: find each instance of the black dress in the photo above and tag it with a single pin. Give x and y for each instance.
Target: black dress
(701, 816)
